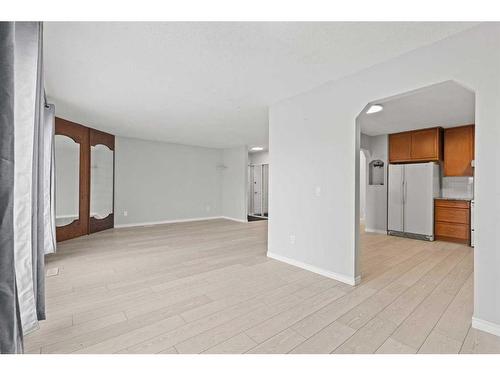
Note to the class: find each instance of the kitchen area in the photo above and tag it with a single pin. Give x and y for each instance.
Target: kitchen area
(431, 184)
(420, 164)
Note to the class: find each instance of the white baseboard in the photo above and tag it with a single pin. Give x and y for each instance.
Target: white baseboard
(332, 275)
(486, 326)
(234, 219)
(167, 222)
(370, 230)
(145, 224)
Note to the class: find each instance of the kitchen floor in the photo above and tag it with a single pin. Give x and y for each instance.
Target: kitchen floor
(208, 287)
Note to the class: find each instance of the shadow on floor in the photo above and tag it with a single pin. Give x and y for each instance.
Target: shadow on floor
(255, 218)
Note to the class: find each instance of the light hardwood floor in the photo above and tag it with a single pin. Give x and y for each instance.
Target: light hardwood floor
(208, 287)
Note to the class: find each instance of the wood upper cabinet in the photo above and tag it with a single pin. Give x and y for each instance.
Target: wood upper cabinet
(416, 146)
(426, 145)
(458, 151)
(400, 147)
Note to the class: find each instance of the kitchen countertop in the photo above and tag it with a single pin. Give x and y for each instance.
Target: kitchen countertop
(467, 199)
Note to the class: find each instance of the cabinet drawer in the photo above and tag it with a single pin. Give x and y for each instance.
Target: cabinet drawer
(451, 203)
(458, 231)
(452, 215)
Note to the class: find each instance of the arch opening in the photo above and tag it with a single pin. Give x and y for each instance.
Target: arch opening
(444, 105)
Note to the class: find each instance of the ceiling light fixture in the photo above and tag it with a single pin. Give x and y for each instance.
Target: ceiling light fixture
(375, 108)
(257, 148)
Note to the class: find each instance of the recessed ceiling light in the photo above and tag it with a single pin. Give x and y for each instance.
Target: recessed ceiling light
(374, 109)
(257, 148)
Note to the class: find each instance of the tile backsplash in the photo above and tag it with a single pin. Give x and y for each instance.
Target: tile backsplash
(457, 187)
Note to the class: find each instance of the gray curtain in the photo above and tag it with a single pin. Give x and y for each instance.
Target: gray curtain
(10, 318)
(43, 213)
(25, 98)
(37, 205)
(47, 193)
(27, 179)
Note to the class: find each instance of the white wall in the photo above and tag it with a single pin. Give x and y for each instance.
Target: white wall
(364, 141)
(315, 143)
(261, 157)
(376, 195)
(234, 183)
(157, 181)
(362, 185)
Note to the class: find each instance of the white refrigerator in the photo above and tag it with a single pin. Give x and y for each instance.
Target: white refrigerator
(411, 192)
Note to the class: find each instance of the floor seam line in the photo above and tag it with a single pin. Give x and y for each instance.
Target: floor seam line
(444, 311)
(431, 291)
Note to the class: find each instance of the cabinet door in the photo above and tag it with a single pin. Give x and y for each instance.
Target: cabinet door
(458, 151)
(425, 145)
(399, 147)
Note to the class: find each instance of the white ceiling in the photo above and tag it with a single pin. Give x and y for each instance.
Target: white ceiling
(445, 104)
(208, 84)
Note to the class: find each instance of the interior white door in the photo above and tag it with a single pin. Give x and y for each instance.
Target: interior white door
(419, 199)
(395, 199)
(257, 190)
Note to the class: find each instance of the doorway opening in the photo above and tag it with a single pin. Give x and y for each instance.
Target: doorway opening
(258, 202)
(415, 168)
(258, 185)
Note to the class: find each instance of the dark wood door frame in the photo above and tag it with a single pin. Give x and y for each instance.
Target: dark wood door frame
(85, 137)
(98, 137)
(80, 134)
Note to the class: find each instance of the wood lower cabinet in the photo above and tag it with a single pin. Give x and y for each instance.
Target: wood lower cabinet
(452, 220)
(458, 151)
(416, 146)
(453, 215)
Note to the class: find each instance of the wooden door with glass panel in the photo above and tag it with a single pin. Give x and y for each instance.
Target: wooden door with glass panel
(102, 153)
(71, 179)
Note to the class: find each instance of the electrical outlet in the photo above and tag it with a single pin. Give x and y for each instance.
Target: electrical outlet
(208, 208)
(292, 239)
(125, 213)
(317, 191)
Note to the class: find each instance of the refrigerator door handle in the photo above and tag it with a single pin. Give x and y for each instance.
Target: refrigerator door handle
(403, 192)
(403, 201)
